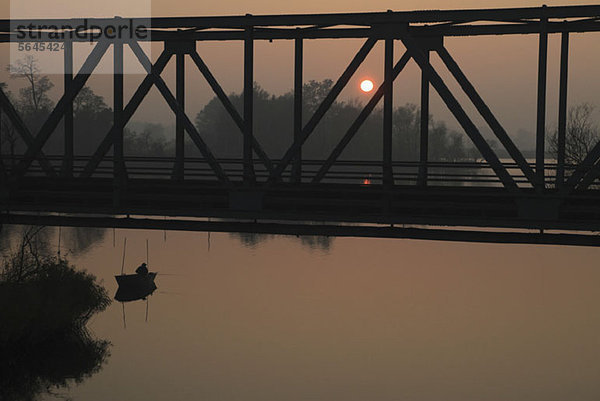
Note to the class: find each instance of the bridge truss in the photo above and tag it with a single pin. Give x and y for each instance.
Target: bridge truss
(489, 200)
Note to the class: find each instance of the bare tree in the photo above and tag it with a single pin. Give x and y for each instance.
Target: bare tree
(28, 257)
(34, 97)
(581, 136)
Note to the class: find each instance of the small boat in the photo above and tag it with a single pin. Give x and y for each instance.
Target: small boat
(133, 287)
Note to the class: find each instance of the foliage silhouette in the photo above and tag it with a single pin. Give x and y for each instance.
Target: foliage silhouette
(273, 129)
(581, 134)
(45, 304)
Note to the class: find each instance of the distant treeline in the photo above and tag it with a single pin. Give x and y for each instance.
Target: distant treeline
(273, 125)
(273, 128)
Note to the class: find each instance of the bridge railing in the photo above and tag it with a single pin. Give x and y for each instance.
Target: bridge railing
(405, 173)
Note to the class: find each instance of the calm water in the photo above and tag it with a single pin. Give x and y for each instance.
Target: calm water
(366, 319)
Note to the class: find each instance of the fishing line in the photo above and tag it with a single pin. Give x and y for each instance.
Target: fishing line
(123, 262)
(208, 238)
(59, 231)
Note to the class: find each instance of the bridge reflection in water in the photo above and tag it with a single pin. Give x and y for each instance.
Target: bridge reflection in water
(257, 193)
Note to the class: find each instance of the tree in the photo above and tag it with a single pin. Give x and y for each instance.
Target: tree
(314, 92)
(34, 97)
(273, 116)
(92, 119)
(87, 102)
(405, 132)
(149, 142)
(45, 305)
(581, 136)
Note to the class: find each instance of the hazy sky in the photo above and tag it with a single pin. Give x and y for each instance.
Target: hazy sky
(504, 69)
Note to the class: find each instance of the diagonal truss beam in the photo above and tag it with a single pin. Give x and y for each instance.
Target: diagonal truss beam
(471, 130)
(358, 122)
(341, 83)
(23, 131)
(178, 110)
(585, 173)
(239, 121)
(128, 112)
(590, 177)
(59, 110)
(487, 114)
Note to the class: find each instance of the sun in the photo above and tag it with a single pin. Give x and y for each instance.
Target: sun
(366, 85)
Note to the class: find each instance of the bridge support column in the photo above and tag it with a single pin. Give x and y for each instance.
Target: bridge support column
(540, 152)
(180, 48)
(427, 45)
(179, 127)
(118, 162)
(388, 104)
(424, 143)
(249, 177)
(67, 167)
(298, 64)
(562, 110)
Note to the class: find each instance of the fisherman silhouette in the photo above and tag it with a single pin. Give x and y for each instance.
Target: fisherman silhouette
(142, 269)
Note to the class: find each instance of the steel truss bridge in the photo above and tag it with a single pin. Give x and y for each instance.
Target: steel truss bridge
(521, 201)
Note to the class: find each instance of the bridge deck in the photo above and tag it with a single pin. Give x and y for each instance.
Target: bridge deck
(492, 207)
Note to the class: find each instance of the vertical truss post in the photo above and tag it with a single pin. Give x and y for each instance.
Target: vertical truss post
(249, 177)
(322, 109)
(118, 163)
(298, 64)
(179, 125)
(388, 103)
(562, 110)
(68, 119)
(541, 106)
(459, 113)
(164, 90)
(424, 144)
(128, 112)
(229, 107)
(358, 122)
(35, 145)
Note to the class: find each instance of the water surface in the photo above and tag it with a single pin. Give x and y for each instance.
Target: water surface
(365, 319)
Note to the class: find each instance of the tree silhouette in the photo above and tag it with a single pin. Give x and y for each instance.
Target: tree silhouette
(581, 136)
(45, 304)
(273, 116)
(33, 102)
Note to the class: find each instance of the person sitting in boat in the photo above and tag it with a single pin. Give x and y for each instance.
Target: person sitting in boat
(142, 269)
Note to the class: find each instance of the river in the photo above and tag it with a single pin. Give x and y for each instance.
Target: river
(346, 319)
